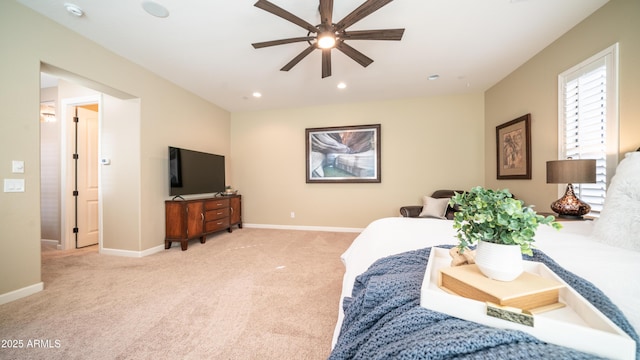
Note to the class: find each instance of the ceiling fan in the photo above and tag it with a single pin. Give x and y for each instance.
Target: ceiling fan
(328, 35)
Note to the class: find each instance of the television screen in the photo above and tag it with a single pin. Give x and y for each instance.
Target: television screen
(194, 172)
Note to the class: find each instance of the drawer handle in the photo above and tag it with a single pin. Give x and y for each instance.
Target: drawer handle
(220, 223)
(202, 216)
(220, 213)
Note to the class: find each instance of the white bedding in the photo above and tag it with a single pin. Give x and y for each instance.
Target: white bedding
(614, 270)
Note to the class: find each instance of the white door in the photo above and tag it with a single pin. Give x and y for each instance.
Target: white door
(87, 176)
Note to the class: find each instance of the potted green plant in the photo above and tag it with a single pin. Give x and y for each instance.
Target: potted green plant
(497, 222)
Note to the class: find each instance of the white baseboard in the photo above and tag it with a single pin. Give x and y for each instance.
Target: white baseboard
(20, 293)
(56, 242)
(131, 253)
(307, 228)
(153, 250)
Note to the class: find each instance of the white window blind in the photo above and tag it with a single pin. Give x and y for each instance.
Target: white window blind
(586, 112)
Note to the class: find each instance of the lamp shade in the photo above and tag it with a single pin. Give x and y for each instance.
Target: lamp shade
(571, 171)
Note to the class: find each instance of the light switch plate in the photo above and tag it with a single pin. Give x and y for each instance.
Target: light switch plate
(13, 185)
(17, 166)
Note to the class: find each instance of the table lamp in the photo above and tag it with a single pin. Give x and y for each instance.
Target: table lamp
(571, 172)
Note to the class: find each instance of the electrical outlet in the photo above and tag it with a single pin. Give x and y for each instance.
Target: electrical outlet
(293, 215)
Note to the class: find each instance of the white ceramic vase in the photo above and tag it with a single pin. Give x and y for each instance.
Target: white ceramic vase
(498, 261)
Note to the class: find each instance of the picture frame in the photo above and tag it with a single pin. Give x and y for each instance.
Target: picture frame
(343, 154)
(513, 149)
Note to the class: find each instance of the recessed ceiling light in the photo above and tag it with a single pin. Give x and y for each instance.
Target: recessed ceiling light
(74, 9)
(434, 77)
(342, 85)
(155, 9)
(257, 94)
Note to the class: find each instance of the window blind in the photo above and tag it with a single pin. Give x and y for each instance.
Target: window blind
(585, 127)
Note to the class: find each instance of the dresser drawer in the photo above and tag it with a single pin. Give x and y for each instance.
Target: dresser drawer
(216, 204)
(215, 225)
(210, 215)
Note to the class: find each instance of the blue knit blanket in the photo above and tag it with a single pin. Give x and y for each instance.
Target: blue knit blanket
(383, 319)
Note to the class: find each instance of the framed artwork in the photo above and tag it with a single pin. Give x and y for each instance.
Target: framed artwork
(513, 145)
(347, 154)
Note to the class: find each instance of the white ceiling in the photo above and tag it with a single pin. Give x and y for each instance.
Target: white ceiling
(205, 46)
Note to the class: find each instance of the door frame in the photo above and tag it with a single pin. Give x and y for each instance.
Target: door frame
(67, 206)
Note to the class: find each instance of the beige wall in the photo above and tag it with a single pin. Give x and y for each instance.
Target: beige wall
(427, 144)
(50, 170)
(176, 118)
(533, 88)
(168, 116)
(120, 185)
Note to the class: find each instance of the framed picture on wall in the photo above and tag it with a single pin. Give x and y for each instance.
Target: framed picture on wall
(513, 145)
(347, 154)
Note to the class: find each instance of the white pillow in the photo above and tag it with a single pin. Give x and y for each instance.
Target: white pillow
(432, 207)
(619, 222)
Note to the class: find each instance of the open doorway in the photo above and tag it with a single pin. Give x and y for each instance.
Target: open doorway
(80, 205)
(116, 157)
(82, 148)
(69, 161)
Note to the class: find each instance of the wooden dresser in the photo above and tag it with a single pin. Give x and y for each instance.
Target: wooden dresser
(197, 218)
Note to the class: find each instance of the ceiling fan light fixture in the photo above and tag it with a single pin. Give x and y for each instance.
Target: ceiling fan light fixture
(326, 40)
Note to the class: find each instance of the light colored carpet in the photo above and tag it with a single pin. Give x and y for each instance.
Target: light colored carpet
(250, 294)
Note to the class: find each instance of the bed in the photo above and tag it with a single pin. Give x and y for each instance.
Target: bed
(380, 314)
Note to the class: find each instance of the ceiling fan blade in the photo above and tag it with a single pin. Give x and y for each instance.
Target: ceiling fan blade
(326, 13)
(358, 14)
(326, 63)
(282, 41)
(387, 34)
(297, 59)
(356, 55)
(278, 11)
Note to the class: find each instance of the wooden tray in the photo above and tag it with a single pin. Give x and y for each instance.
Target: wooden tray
(578, 325)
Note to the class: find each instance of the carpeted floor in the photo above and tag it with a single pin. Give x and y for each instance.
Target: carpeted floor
(250, 294)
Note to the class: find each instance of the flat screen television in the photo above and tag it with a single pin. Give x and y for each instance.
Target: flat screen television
(194, 172)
